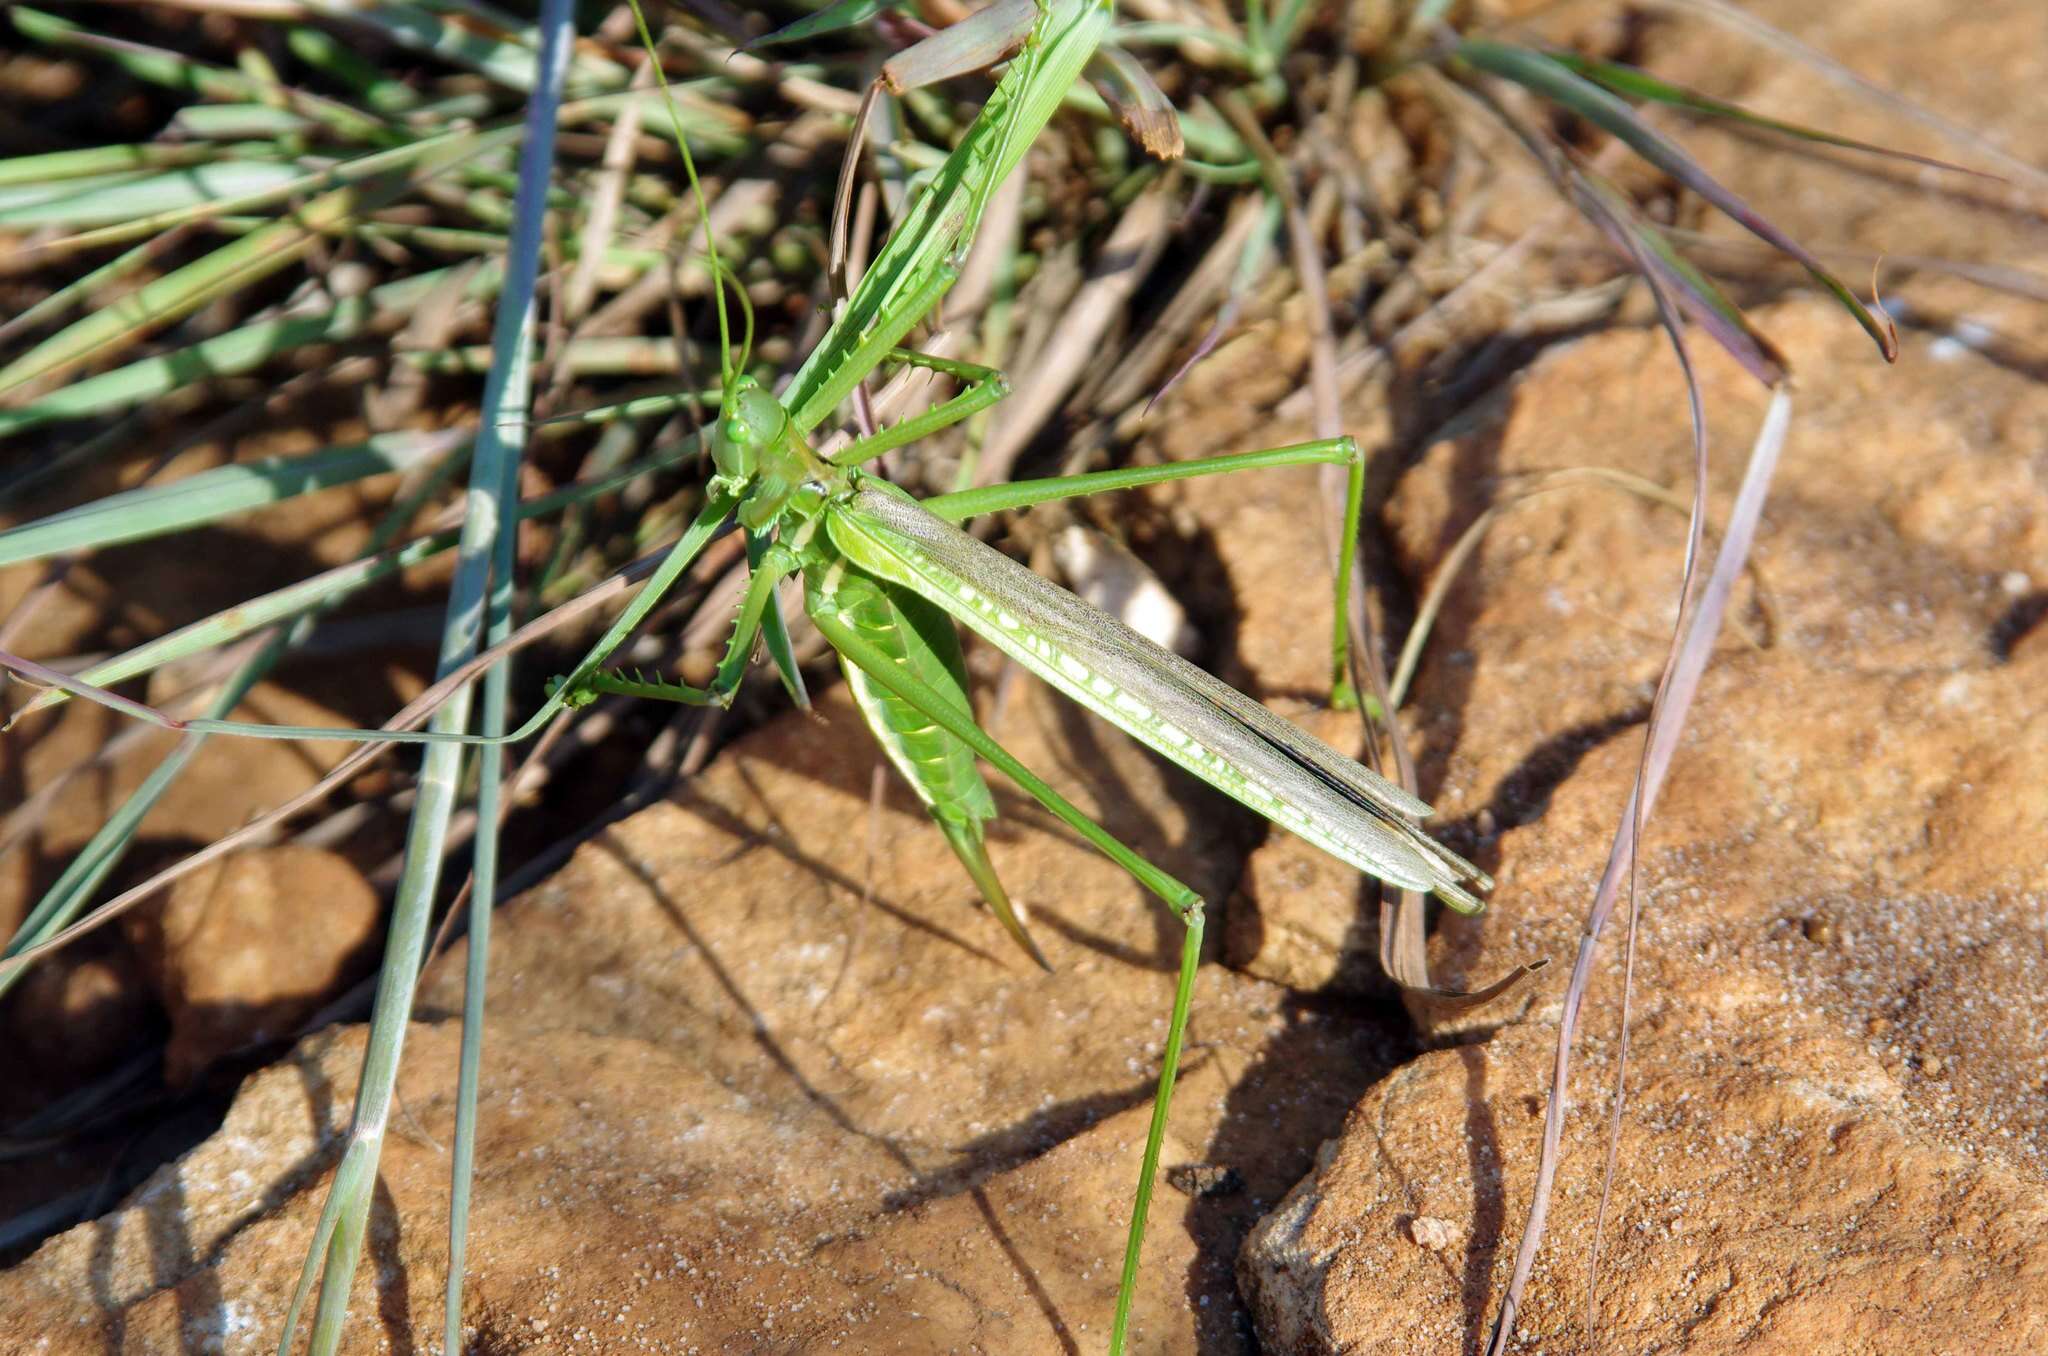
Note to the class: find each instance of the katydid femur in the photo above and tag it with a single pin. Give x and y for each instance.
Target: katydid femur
(885, 578)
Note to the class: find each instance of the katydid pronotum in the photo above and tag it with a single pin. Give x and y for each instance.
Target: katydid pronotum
(885, 577)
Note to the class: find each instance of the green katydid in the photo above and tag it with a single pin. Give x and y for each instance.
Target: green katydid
(884, 574)
(886, 577)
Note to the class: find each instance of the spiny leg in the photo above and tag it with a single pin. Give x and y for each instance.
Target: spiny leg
(1027, 57)
(776, 564)
(1184, 902)
(1342, 451)
(877, 343)
(984, 387)
(975, 43)
(563, 692)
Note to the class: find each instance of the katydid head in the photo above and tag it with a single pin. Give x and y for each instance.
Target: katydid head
(757, 454)
(749, 422)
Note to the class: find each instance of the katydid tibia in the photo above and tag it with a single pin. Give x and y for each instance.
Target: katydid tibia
(886, 579)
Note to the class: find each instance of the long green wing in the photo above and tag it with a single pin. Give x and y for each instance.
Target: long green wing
(920, 639)
(1166, 703)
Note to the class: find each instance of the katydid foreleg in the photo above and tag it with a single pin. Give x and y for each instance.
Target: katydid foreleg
(401, 730)
(983, 387)
(975, 43)
(897, 291)
(772, 565)
(775, 631)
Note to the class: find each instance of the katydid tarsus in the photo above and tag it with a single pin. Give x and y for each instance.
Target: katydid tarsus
(886, 578)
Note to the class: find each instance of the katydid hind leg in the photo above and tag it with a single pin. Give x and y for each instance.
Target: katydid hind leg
(958, 507)
(1342, 451)
(1185, 903)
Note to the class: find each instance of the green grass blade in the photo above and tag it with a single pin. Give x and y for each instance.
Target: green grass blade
(1544, 76)
(831, 19)
(514, 413)
(239, 350)
(342, 64)
(74, 293)
(497, 56)
(1640, 84)
(240, 122)
(472, 609)
(173, 70)
(96, 201)
(154, 510)
(360, 169)
(38, 170)
(511, 427)
(226, 270)
(24, 197)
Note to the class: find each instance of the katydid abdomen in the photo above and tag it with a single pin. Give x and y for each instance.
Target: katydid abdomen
(919, 638)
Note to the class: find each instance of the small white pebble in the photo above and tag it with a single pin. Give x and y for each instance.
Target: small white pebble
(1434, 1234)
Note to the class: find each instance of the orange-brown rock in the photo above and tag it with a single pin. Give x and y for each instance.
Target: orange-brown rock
(1840, 1086)
(1772, 1197)
(247, 948)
